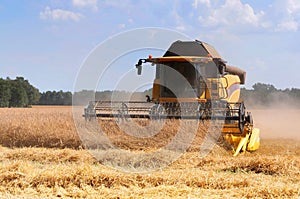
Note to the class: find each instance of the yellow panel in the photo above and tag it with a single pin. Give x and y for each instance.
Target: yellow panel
(254, 140)
(232, 79)
(234, 97)
(233, 87)
(233, 139)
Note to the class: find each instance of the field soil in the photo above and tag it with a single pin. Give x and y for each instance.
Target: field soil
(42, 156)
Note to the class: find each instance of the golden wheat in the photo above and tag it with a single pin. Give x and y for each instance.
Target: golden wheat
(42, 157)
(38, 127)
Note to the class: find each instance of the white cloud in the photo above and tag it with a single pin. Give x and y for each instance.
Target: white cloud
(293, 6)
(288, 15)
(122, 4)
(178, 20)
(122, 26)
(86, 4)
(59, 15)
(125, 25)
(287, 26)
(231, 13)
(205, 2)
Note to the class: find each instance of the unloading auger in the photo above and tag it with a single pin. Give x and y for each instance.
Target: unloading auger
(192, 82)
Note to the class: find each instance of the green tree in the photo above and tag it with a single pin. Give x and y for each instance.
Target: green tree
(261, 87)
(4, 93)
(32, 92)
(55, 98)
(18, 94)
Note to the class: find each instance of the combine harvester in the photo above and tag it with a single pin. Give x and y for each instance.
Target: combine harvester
(192, 82)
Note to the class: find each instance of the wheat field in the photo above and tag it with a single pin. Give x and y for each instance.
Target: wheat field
(42, 156)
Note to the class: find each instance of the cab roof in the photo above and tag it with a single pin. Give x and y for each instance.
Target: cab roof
(192, 48)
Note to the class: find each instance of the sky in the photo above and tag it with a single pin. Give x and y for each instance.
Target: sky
(47, 41)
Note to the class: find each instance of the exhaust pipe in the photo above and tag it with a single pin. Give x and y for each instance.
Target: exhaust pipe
(236, 71)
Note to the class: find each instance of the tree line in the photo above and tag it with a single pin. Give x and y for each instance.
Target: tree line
(19, 92)
(55, 98)
(266, 95)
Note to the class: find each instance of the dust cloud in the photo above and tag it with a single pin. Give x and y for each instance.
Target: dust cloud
(277, 115)
(277, 122)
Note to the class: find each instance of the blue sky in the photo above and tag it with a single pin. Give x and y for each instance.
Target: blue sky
(47, 41)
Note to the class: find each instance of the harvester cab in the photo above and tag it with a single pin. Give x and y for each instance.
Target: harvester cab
(192, 81)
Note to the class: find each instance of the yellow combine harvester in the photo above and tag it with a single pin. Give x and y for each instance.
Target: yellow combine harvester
(192, 82)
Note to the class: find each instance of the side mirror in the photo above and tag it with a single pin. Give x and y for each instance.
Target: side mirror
(139, 67)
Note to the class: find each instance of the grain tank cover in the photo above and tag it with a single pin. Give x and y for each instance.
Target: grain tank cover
(192, 48)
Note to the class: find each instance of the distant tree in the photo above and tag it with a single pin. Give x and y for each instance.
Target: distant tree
(55, 98)
(267, 95)
(260, 87)
(18, 97)
(32, 93)
(17, 93)
(83, 97)
(67, 96)
(45, 98)
(4, 93)
(295, 92)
